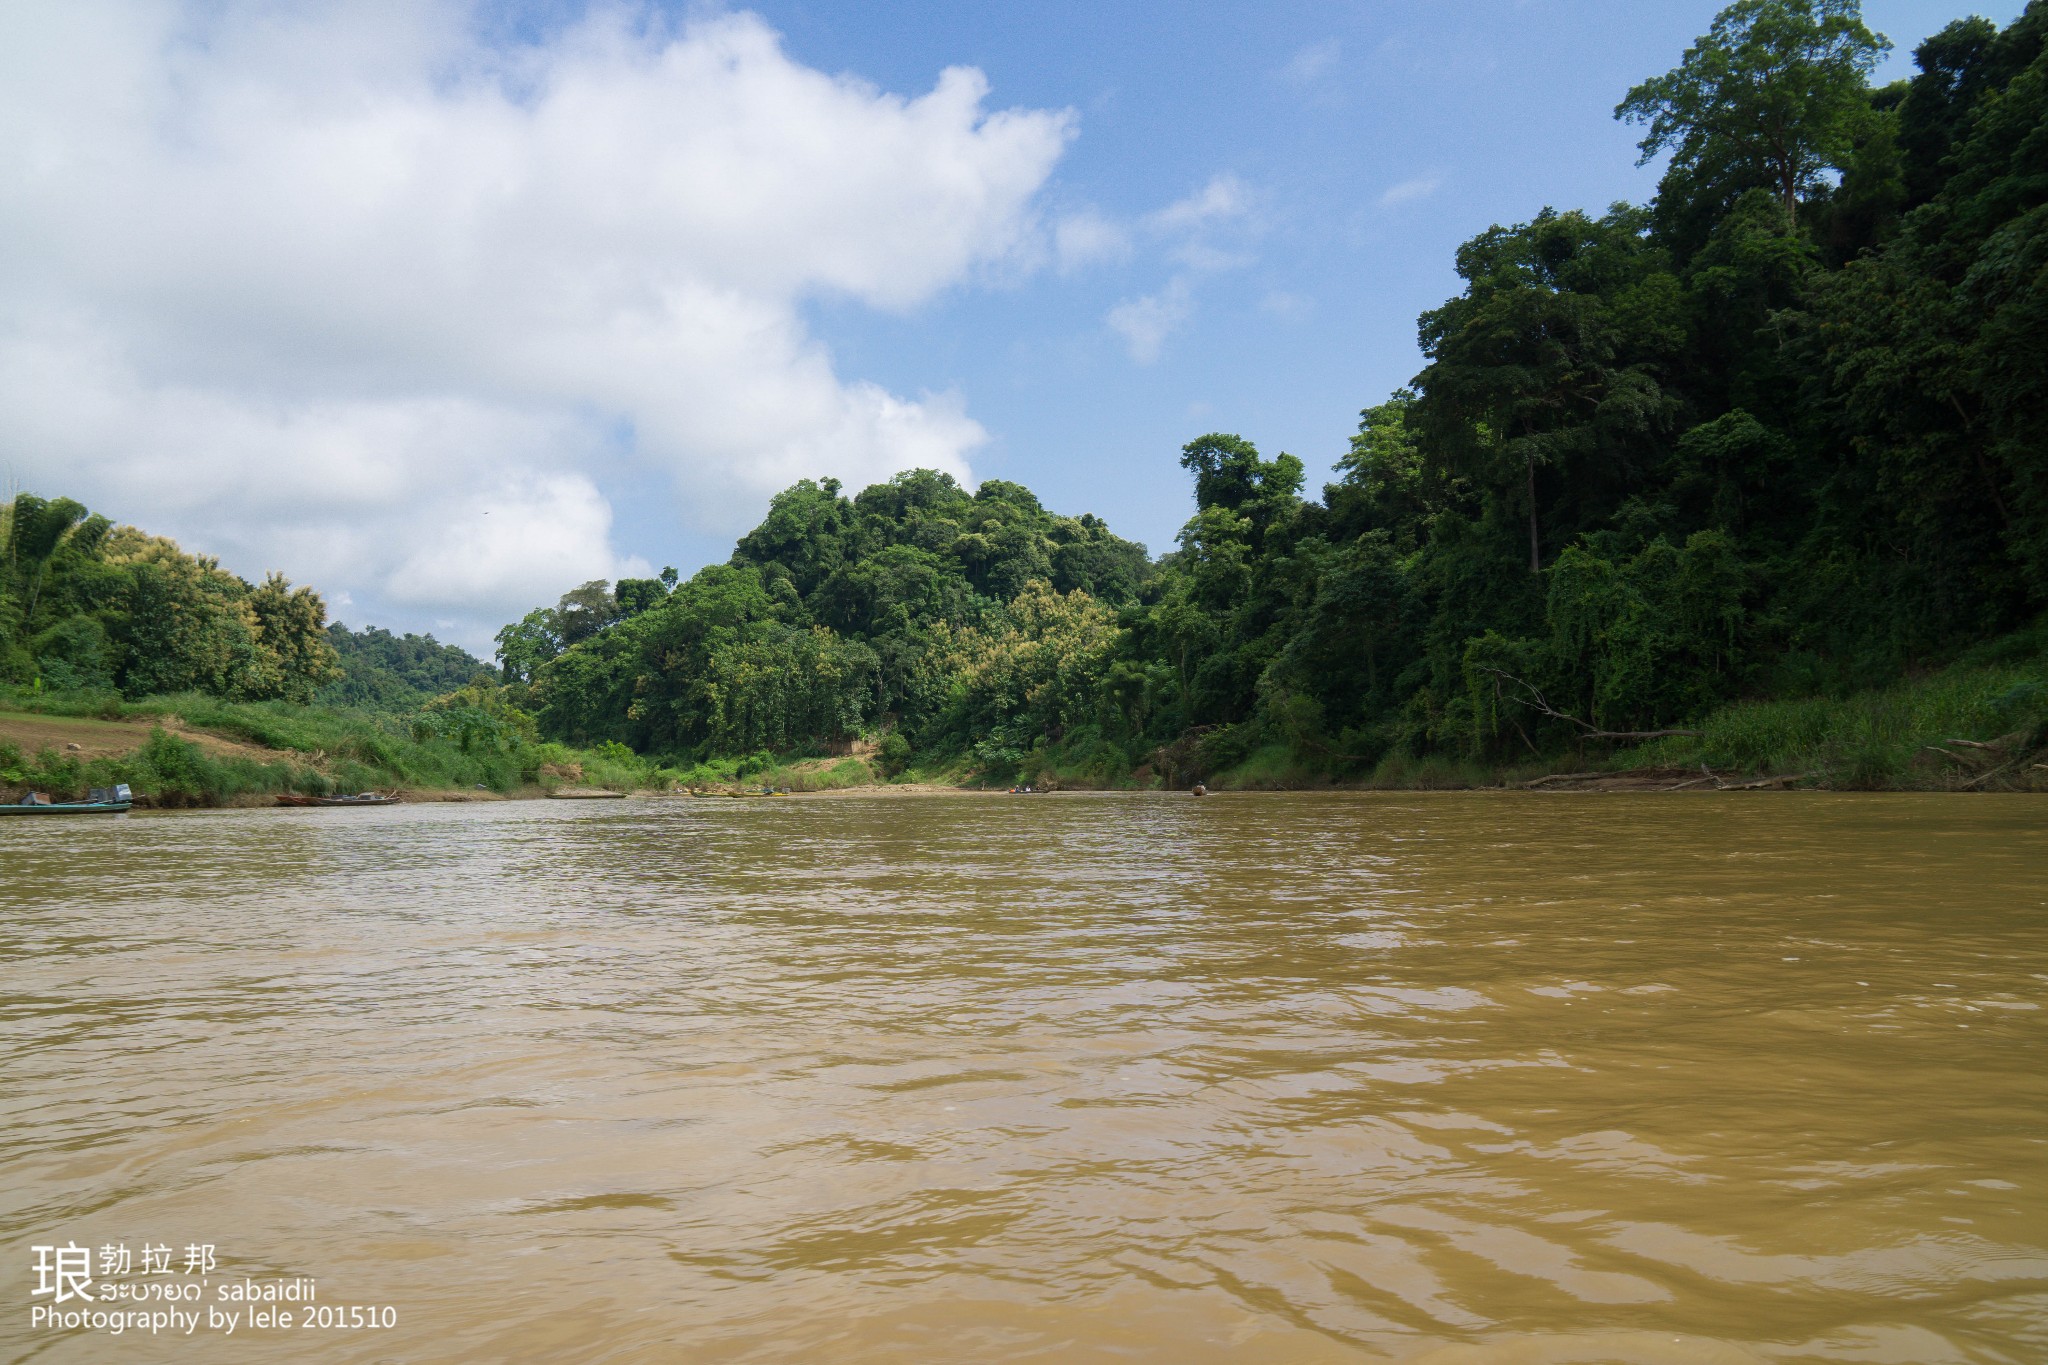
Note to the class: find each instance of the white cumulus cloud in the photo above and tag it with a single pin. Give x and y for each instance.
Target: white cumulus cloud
(357, 293)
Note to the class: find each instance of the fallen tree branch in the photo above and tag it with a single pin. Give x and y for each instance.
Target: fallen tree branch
(1784, 780)
(1535, 701)
(2002, 768)
(1561, 777)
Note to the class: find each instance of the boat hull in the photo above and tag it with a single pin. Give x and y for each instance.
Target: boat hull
(69, 808)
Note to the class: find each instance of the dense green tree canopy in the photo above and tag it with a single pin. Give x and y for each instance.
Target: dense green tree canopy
(85, 605)
(385, 672)
(826, 622)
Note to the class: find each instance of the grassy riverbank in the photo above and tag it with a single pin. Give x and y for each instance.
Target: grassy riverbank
(1982, 723)
(1979, 724)
(196, 750)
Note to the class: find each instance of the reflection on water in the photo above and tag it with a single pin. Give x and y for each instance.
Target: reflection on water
(1462, 1078)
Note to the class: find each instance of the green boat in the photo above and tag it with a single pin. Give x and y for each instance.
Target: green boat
(104, 801)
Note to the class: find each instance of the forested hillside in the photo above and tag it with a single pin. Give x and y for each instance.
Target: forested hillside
(380, 671)
(979, 621)
(167, 672)
(1778, 433)
(87, 606)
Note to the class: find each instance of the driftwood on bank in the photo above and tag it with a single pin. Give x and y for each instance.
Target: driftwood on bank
(1982, 750)
(1536, 702)
(1562, 777)
(1998, 771)
(1782, 780)
(1655, 780)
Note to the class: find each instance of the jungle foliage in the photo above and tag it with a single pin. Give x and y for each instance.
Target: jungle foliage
(87, 606)
(380, 671)
(977, 617)
(1777, 434)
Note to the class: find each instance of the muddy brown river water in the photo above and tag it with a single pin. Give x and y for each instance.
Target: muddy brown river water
(1456, 1078)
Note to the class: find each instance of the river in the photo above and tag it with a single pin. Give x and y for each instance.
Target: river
(1463, 1078)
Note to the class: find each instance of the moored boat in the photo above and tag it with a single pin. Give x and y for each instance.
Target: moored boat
(112, 800)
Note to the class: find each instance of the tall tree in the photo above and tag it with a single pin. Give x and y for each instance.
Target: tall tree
(291, 632)
(1773, 96)
(1545, 374)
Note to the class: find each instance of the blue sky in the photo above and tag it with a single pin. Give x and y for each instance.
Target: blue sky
(446, 307)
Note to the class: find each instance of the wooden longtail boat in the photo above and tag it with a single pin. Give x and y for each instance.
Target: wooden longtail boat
(103, 801)
(65, 808)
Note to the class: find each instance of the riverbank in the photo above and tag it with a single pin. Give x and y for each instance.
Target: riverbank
(1980, 724)
(195, 750)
